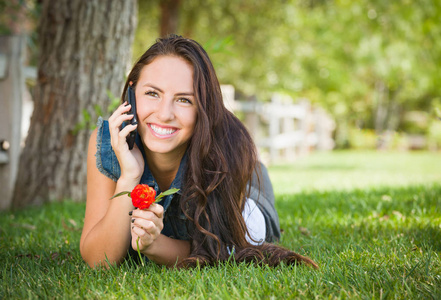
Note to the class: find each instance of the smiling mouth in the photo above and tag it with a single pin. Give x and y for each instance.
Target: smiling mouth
(162, 130)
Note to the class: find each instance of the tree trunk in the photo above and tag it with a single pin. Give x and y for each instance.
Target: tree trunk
(85, 48)
(393, 118)
(189, 22)
(169, 16)
(381, 107)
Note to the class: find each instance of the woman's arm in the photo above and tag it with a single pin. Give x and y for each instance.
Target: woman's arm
(106, 231)
(168, 251)
(107, 224)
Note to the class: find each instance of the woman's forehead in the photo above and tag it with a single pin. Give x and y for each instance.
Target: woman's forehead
(168, 71)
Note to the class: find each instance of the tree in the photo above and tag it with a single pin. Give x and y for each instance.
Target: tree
(169, 16)
(366, 61)
(85, 48)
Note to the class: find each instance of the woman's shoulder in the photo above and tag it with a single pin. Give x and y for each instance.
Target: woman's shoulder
(106, 160)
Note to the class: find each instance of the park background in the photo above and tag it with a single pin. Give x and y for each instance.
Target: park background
(368, 211)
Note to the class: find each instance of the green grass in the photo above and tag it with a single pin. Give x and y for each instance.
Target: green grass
(381, 239)
(349, 170)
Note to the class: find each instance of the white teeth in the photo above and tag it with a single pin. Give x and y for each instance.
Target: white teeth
(162, 131)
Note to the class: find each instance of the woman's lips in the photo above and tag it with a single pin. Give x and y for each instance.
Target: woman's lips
(162, 131)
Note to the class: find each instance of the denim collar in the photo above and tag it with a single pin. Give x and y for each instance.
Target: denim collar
(147, 177)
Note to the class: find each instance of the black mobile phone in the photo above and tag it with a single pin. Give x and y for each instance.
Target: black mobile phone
(130, 97)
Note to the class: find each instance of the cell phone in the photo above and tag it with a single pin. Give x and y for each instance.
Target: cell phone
(130, 97)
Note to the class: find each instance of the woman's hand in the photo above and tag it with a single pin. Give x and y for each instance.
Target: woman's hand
(131, 161)
(147, 225)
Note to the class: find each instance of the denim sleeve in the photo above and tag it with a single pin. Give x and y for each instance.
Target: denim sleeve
(106, 160)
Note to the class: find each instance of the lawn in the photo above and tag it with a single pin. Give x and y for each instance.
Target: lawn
(371, 220)
(349, 170)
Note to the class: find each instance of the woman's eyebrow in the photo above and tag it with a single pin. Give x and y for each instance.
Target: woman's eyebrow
(185, 94)
(161, 91)
(152, 86)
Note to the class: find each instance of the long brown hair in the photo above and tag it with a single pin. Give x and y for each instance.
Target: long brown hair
(221, 160)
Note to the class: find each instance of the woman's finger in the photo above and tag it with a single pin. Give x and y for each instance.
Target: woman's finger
(150, 227)
(141, 232)
(126, 130)
(117, 118)
(147, 234)
(119, 111)
(157, 209)
(147, 225)
(154, 211)
(118, 135)
(150, 214)
(116, 122)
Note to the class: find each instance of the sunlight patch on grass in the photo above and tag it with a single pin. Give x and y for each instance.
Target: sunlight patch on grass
(348, 170)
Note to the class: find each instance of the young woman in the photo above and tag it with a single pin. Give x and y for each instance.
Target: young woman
(188, 140)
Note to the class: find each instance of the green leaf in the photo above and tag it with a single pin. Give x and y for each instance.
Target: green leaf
(86, 115)
(114, 101)
(120, 194)
(98, 110)
(170, 192)
(166, 193)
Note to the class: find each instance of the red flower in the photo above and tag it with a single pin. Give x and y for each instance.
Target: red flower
(143, 196)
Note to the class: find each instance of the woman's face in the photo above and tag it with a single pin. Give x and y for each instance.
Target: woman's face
(166, 105)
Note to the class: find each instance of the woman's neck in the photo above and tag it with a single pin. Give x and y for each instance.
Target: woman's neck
(164, 167)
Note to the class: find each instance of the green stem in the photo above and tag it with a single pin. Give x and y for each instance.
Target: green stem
(139, 252)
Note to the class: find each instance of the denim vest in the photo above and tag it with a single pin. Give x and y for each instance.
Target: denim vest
(175, 222)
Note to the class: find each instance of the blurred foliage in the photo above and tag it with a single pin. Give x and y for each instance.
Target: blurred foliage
(20, 17)
(148, 26)
(434, 135)
(368, 62)
(362, 139)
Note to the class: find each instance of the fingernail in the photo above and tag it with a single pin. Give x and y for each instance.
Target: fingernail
(133, 220)
(130, 212)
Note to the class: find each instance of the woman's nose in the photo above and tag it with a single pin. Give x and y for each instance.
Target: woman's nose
(165, 110)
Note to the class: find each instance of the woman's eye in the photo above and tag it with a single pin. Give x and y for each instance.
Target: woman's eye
(153, 94)
(184, 100)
